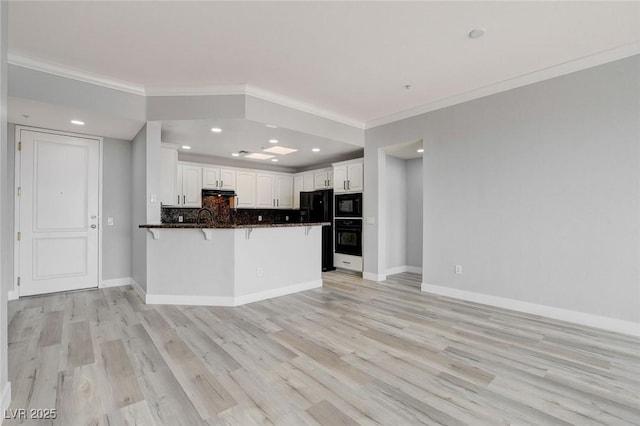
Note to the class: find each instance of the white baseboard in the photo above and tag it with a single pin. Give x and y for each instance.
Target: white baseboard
(581, 318)
(371, 276)
(414, 269)
(403, 268)
(177, 299)
(139, 290)
(396, 270)
(6, 397)
(12, 295)
(277, 292)
(115, 282)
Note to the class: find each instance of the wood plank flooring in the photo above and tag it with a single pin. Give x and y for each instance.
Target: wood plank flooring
(352, 352)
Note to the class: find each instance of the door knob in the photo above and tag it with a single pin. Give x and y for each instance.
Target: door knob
(93, 226)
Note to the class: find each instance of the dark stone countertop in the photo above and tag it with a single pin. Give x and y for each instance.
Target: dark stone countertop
(230, 226)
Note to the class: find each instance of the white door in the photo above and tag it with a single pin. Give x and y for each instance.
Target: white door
(58, 212)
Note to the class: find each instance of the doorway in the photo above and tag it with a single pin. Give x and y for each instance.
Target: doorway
(57, 211)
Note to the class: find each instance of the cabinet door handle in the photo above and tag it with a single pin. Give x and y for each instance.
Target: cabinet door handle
(348, 184)
(344, 185)
(278, 202)
(178, 199)
(221, 183)
(274, 202)
(184, 199)
(216, 184)
(348, 263)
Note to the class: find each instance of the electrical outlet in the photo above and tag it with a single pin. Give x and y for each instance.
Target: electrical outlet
(180, 219)
(110, 221)
(286, 218)
(259, 271)
(154, 198)
(259, 218)
(458, 269)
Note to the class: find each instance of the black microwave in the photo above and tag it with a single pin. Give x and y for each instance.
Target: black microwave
(349, 205)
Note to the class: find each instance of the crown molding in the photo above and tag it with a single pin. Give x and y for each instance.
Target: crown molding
(513, 83)
(86, 77)
(265, 95)
(248, 90)
(236, 89)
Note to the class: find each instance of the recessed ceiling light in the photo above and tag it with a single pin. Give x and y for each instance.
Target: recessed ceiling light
(216, 129)
(77, 122)
(275, 160)
(477, 32)
(421, 150)
(186, 147)
(316, 150)
(235, 154)
(273, 140)
(271, 126)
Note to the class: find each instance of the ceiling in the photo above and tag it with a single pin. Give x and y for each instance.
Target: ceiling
(251, 136)
(350, 60)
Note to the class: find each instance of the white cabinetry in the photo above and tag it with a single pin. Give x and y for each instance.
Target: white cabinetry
(348, 176)
(274, 191)
(217, 178)
(245, 189)
(190, 185)
(283, 191)
(323, 179)
(302, 182)
(169, 175)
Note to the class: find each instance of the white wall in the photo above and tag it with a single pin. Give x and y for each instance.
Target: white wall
(116, 199)
(139, 208)
(396, 212)
(534, 191)
(414, 212)
(5, 217)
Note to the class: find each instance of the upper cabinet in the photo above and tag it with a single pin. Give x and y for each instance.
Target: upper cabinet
(245, 189)
(323, 179)
(302, 182)
(274, 190)
(218, 178)
(348, 176)
(169, 175)
(191, 189)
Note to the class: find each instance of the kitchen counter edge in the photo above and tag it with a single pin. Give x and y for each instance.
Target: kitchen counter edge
(225, 226)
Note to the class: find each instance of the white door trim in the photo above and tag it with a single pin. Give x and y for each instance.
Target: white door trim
(16, 198)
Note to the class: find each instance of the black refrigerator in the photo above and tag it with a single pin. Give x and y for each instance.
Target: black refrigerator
(317, 206)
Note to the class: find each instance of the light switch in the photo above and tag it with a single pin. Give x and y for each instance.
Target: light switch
(154, 198)
(110, 221)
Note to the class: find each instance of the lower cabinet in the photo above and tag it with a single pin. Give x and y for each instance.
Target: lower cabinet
(347, 261)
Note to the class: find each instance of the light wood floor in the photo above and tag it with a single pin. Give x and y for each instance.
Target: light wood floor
(351, 352)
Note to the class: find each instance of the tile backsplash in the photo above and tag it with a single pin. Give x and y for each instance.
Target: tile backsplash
(222, 213)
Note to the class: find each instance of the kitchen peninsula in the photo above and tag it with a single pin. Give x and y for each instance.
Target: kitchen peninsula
(231, 260)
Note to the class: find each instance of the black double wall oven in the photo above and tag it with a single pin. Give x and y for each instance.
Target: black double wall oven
(348, 224)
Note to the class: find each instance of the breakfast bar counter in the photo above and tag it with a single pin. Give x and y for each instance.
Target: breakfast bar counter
(230, 265)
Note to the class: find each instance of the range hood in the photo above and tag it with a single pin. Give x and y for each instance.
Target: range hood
(218, 193)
